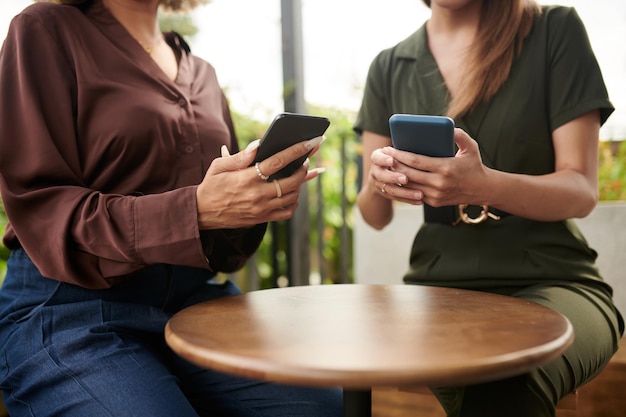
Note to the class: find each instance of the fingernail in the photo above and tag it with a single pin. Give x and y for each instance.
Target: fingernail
(225, 152)
(253, 145)
(312, 143)
(318, 170)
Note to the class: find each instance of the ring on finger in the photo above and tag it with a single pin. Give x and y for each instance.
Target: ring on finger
(382, 189)
(259, 173)
(279, 191)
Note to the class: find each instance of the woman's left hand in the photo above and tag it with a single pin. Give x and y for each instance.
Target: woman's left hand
(234, 192)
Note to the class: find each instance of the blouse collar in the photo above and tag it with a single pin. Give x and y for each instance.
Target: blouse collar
(117, 34)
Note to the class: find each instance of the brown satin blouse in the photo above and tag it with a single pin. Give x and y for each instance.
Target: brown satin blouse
(100, 153)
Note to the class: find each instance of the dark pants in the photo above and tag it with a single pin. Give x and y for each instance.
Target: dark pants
(73, 352)
(597, 328)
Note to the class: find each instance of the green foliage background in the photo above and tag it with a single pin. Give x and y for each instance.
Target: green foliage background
(612, 171)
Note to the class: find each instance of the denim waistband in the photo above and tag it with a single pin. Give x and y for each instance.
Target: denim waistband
(166, 287)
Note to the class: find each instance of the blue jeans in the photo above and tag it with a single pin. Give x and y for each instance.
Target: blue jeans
(74, 352)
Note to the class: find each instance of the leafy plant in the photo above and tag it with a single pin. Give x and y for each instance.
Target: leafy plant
(335, 194)
(612, 171)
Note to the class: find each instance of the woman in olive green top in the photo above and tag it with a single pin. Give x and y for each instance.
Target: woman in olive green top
(525, 90)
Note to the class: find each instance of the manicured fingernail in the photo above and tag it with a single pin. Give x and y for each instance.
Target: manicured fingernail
(318, 170)
(253, 145)
(225, 152)
(312, 143)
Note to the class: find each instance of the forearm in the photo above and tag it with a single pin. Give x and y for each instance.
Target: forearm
(552, 197)
(376, 210)
(569, 192)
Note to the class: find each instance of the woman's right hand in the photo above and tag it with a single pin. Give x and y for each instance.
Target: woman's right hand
(233, 194)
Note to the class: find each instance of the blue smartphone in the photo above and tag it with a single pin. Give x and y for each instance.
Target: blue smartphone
(288, 129)
(431, 136)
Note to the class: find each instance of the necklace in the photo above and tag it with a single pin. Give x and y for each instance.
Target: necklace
(150, 48)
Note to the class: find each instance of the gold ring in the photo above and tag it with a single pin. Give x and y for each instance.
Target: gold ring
(279, 192)
(259, 173)
(398, 184)
(382, 189)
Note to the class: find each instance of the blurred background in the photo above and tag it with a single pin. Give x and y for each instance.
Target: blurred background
(242, 39)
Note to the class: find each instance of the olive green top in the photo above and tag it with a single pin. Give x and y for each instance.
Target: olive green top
(555, 79)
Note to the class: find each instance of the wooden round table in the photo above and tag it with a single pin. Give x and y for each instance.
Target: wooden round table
(360, 336)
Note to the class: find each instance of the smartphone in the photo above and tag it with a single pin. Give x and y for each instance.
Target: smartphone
(285, 130)
(430, 136)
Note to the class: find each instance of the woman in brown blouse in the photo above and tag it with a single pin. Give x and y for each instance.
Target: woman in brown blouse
(124, 202)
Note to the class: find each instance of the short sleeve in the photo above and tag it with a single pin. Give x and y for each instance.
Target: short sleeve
(576, 85)
(374, 113)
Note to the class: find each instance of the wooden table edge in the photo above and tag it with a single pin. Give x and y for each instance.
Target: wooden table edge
(259, 369)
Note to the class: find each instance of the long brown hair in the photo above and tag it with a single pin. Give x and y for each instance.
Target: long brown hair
(504, 24)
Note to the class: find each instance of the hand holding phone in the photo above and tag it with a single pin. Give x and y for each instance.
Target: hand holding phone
(426, 135)
(288, 129)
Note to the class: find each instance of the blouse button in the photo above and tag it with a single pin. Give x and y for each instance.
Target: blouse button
(182, 102)
(189, 149)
